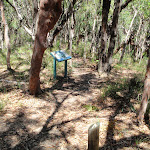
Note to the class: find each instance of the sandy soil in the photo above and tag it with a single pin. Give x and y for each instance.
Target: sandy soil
(59, 118)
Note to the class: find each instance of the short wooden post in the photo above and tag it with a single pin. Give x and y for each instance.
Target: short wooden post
(93, 137)
(54, 68)
(65, 69)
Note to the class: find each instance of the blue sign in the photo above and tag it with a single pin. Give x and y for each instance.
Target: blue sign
(60, 55)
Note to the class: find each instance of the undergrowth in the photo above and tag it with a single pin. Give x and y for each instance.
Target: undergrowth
(128, 87)
(129, 63)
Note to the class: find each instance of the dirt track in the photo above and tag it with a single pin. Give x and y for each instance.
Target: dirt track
(59, 118)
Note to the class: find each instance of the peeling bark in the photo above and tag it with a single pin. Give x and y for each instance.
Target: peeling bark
(49, 13)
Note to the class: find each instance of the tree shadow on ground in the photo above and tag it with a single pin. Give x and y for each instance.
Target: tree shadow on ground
(123, 105)
(80, 85)
(16, 129)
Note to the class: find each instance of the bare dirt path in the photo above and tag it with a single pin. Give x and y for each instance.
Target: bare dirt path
(59, 118)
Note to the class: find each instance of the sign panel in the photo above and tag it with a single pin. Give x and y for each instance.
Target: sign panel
(60, 55)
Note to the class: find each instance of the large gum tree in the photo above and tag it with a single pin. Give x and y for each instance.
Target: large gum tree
(49, 13)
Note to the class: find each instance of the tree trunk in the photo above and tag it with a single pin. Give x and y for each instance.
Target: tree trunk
(139, 38)
(105, 61)
(102, 51)
(68, 33)
(85, 45)
(98, 37)
(71, 35)
(49, 13)
(143, 47)
(113, 34)
(146, 94)
(6, 36)
(139, 46)
(92, 48)
(128, 35)
(1, 39)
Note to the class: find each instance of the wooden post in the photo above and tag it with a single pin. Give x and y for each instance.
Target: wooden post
(93, 137)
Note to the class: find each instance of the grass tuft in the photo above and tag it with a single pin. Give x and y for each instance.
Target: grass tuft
(90, 108)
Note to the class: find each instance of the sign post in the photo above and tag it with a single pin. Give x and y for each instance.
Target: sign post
(65, 69)
(59, 56)
(54, 66)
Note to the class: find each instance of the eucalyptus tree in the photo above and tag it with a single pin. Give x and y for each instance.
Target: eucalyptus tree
(142, 35)
(106, 53)
(26, 13)
(146, 94)
(134, 30)
(6, 35)
(128, 34)
(87, 26)
(145, 34)
(49, 13)
(18, 18)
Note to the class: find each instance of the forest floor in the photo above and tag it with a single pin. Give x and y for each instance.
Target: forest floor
(59, 118)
